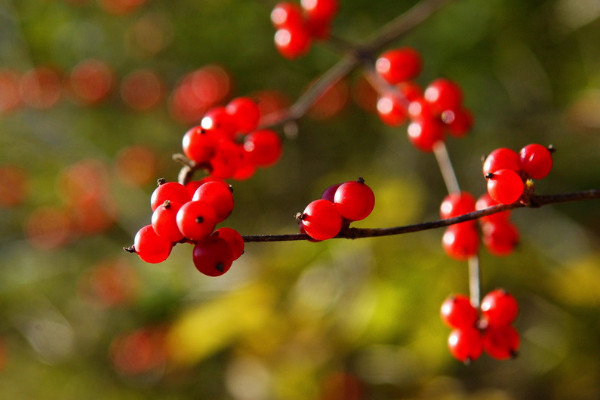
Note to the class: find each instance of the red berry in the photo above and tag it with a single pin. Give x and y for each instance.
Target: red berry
(321, 220)
(235, 240)
(199, 144)
(459, 121)
(461, 241)
(176, 193)
(245, 113)
(217, 119)
(456, 204)
(505, 186)
(419, 109)
(399, 65)
(486, 201)
(263, 147)
(391, 110)
(499, 308)
(535, 160)
(458, 312)
(501, 342)
(212, 256)
(329, 193)
(226, 160)
(292, 41)
(286, 14)
(443, 94)
(424, 134)
(321, 10)
(465, 344)
(354, 200)
(196, 220)
(501, 158)
(164, 222)
(219, 195)
(150, 247)
(500, 238)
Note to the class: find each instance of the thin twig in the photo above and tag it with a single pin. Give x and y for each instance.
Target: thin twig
(357, 233)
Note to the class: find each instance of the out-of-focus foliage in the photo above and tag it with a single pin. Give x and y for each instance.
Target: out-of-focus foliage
(80, 319)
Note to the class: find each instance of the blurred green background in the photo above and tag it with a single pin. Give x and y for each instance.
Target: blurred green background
(81, 319)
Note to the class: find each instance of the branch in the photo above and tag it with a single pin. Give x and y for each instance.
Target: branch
(356, 55)
(357, 233)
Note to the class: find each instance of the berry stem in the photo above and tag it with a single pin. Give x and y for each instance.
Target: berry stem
(474, 281)
(443, 159)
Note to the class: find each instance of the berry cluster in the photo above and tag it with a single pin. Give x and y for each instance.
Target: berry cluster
(297, 26)
(339, 205)
(182, 217)
(433, 112)
(461, 241)
(228, 143)
(507, 172)
(491, 331)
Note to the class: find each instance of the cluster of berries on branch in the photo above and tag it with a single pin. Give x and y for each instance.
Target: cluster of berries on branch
(228, 142)
(461, 241)
(179, 216)
(509, 173)
(489, 329)
(432, 112)
(297, 26)
(339, 205)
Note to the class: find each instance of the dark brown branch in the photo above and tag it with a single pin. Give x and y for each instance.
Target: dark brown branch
(356, 233)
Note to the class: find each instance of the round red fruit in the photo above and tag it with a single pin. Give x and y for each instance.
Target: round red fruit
(536, 160)
(292, 41)
(499, 308)
(196, 220)
(500, 238)
(443, 94)
(424, 134)
(245, 113)
(456, 204)
(399, 65)
(354, 200)
(219, 195)
(501, 158)
(164, 222)
(461, 241)
(235, 240)
(150, 247)
(458, 312)
(212, 256)
(501, 342)
(465, 344)
(199, 144)
(321, 220)
(505, 186)
(263, 147)
(176, 193)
